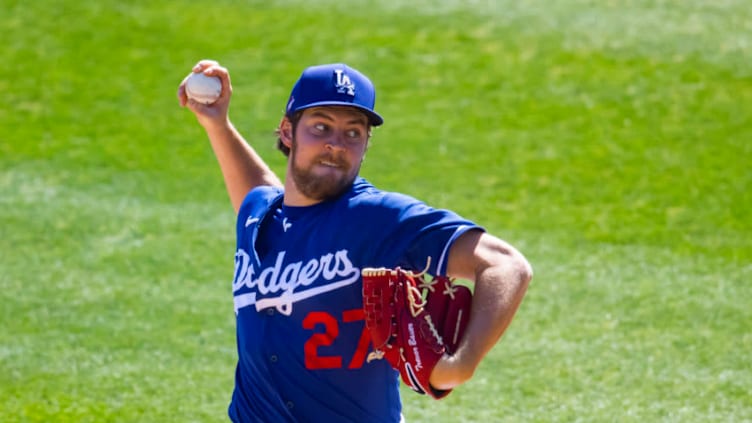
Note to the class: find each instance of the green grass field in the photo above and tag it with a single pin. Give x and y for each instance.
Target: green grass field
(610, 141)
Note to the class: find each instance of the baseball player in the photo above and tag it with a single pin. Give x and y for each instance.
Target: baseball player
(304, 353)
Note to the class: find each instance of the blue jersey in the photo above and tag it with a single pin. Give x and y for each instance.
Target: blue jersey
(303, 348)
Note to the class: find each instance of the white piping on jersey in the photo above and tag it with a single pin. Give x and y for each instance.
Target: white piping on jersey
(443, 257)
(284, 302)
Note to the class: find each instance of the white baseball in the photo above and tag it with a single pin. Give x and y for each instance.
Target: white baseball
(202, 88)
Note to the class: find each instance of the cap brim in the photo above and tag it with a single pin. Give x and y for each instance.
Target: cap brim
(375, 118)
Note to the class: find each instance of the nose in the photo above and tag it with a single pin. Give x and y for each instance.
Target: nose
(336, 141)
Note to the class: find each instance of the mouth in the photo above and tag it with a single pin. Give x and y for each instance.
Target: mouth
(332, 163)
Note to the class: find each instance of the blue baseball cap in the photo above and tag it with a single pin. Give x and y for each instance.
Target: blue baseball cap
(334, 85)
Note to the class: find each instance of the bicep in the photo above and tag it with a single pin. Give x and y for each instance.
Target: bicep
(476, 250)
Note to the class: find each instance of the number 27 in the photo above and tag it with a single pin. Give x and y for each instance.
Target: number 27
(313, 360)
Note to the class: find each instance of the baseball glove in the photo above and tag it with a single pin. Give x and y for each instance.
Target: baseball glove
(413, 321)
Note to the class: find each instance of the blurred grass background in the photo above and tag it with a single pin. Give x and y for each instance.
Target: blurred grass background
(609, 141)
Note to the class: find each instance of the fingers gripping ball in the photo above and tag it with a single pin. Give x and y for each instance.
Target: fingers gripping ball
(414, 320)
(202, 88)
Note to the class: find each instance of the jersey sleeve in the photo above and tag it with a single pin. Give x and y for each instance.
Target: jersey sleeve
(255, 205)
(413, 235)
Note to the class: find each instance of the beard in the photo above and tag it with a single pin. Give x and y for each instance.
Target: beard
(322, 187)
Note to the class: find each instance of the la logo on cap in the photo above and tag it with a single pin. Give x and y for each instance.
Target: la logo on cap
(343, 84)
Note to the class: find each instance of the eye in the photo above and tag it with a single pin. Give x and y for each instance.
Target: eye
(353, 133)
(319, 128)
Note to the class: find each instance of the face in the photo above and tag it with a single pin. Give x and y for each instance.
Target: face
(327, 150)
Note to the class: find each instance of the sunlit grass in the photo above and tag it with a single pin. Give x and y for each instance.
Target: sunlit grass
(609, 142)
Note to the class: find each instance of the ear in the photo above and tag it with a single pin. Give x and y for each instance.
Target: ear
(285, 132)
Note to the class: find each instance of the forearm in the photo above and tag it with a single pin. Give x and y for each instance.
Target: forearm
(497, 296)
(242, 168)
(501, 276)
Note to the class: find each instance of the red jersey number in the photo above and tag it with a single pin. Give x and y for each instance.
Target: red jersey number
(313, 359)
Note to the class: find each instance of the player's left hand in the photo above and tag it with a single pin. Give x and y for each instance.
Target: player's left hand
(417, 322)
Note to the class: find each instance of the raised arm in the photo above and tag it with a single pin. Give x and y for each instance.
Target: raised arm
(501, 275)
(242, 168)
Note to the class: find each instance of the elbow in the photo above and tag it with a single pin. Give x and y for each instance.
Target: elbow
(521, 275)
(512, 264)
(501, 255)
(518, 267)
(524, 270)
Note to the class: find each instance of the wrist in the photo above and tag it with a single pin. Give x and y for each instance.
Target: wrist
(218, 127)
(451, 371)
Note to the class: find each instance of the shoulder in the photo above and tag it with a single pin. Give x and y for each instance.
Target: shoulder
(365, 195)
(377, 206)
(260, 198)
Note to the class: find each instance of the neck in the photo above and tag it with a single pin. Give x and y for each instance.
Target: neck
(294, 198)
